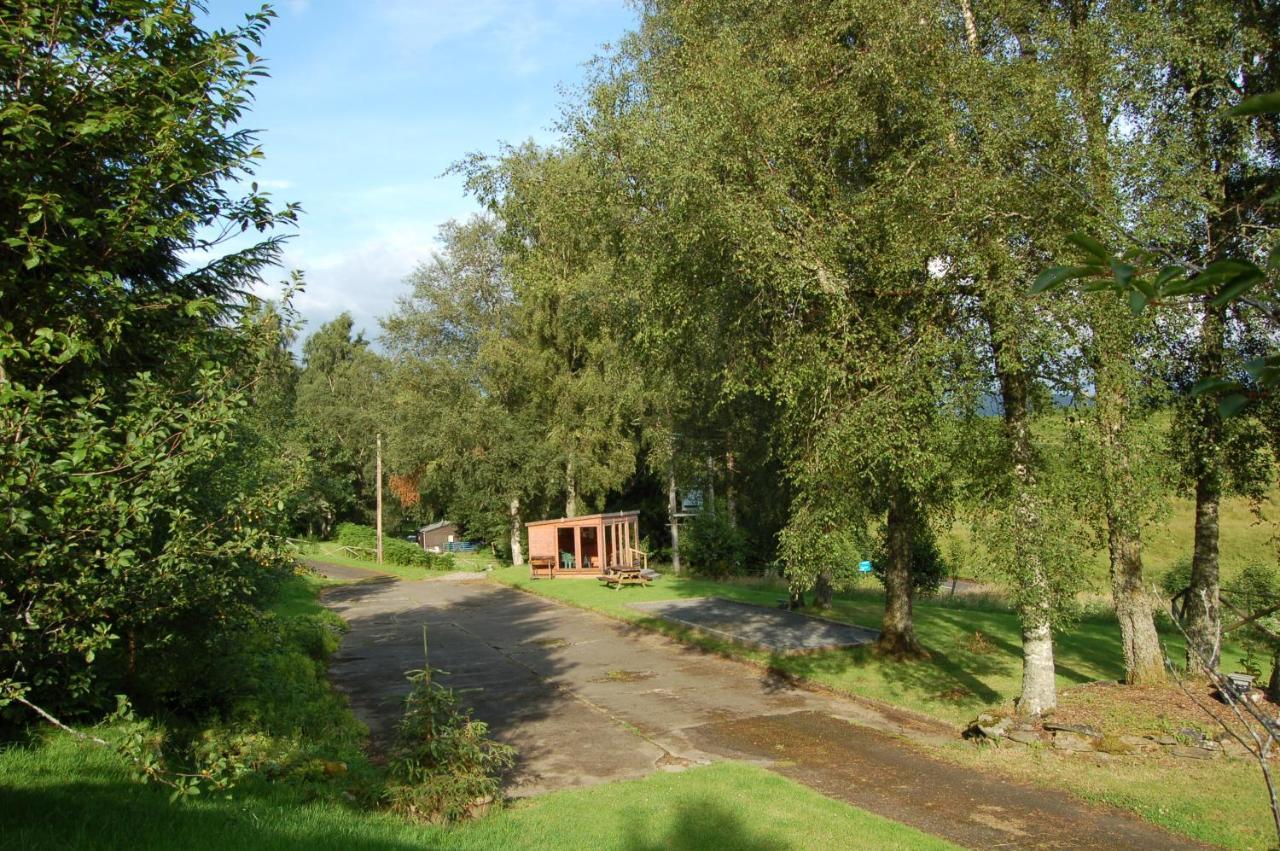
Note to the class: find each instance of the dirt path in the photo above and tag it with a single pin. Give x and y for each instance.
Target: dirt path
(587, 699)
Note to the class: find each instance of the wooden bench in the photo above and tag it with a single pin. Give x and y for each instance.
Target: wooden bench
(542, 566)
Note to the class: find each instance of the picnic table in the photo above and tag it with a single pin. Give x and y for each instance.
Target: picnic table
(620, 576)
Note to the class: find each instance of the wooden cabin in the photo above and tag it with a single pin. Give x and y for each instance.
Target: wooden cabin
(586, 546)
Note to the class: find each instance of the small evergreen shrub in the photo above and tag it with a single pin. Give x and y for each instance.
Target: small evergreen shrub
(713, 546)
(443, 766)
(928, 569)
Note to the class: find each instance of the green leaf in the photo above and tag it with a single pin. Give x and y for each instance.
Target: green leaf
(1257, 105)
(1137, 301)
(1255, 366)
(1212, 386)
(1055, 276)
(1090, 246)
(1123, 271)
(1167, 274)
(1229, 406)
(1238, 286)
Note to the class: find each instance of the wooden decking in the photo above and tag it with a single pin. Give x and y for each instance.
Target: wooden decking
(628, 561)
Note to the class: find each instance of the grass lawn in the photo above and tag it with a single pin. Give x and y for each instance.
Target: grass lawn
(976, 657)
(56, 794)
(334, 554)
(297, 596)
(1245, 540)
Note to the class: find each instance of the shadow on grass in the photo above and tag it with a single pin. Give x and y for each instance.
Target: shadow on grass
(699, 824)
(127, 815)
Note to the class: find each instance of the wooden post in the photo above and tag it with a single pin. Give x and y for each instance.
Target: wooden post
(379, 499)
(577, 548)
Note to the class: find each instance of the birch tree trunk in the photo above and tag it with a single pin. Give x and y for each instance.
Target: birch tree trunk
(897, 630)
(730, 498)
(1202, 617)
(1143, 658)
(1112, 355)
(570, 491)
(824, 592)
(517, 550)
(1035, 607)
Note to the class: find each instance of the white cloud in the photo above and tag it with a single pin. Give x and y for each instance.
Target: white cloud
(363, 279)
(522, 32)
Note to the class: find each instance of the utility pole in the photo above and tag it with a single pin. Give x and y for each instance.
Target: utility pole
(379, 499)
(673, 509)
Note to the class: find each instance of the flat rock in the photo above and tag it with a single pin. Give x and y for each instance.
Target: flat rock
(1192, 753)
(1165, 741)
(1023, 737)
(1065, 740)
(1235, 750)
(1078, 729)
(1139, 744)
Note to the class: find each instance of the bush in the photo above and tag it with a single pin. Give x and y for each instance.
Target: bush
(394, 550)
(443, 766)
(1258, 588)
(1177, 578)
(713, 546)
(357, 535)
(928, 569)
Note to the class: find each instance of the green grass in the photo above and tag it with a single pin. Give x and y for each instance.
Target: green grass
(296, 596)
(332, 553)
(57, 794)
(963, 675)
(1244, 540)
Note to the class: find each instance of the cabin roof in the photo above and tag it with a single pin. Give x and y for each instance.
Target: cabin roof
(585, 519)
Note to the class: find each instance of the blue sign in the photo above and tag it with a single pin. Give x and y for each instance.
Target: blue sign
(864, 567)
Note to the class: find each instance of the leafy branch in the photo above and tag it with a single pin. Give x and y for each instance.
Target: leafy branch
(1150, 277)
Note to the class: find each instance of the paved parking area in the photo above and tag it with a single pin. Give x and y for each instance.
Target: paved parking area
(755, 626)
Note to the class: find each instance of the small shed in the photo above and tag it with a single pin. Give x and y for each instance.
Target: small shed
(437, 536)
(585, 546)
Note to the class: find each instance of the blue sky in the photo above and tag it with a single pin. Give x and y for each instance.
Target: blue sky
(369, 102)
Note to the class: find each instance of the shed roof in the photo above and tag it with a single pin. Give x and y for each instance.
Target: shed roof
(439, 524)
